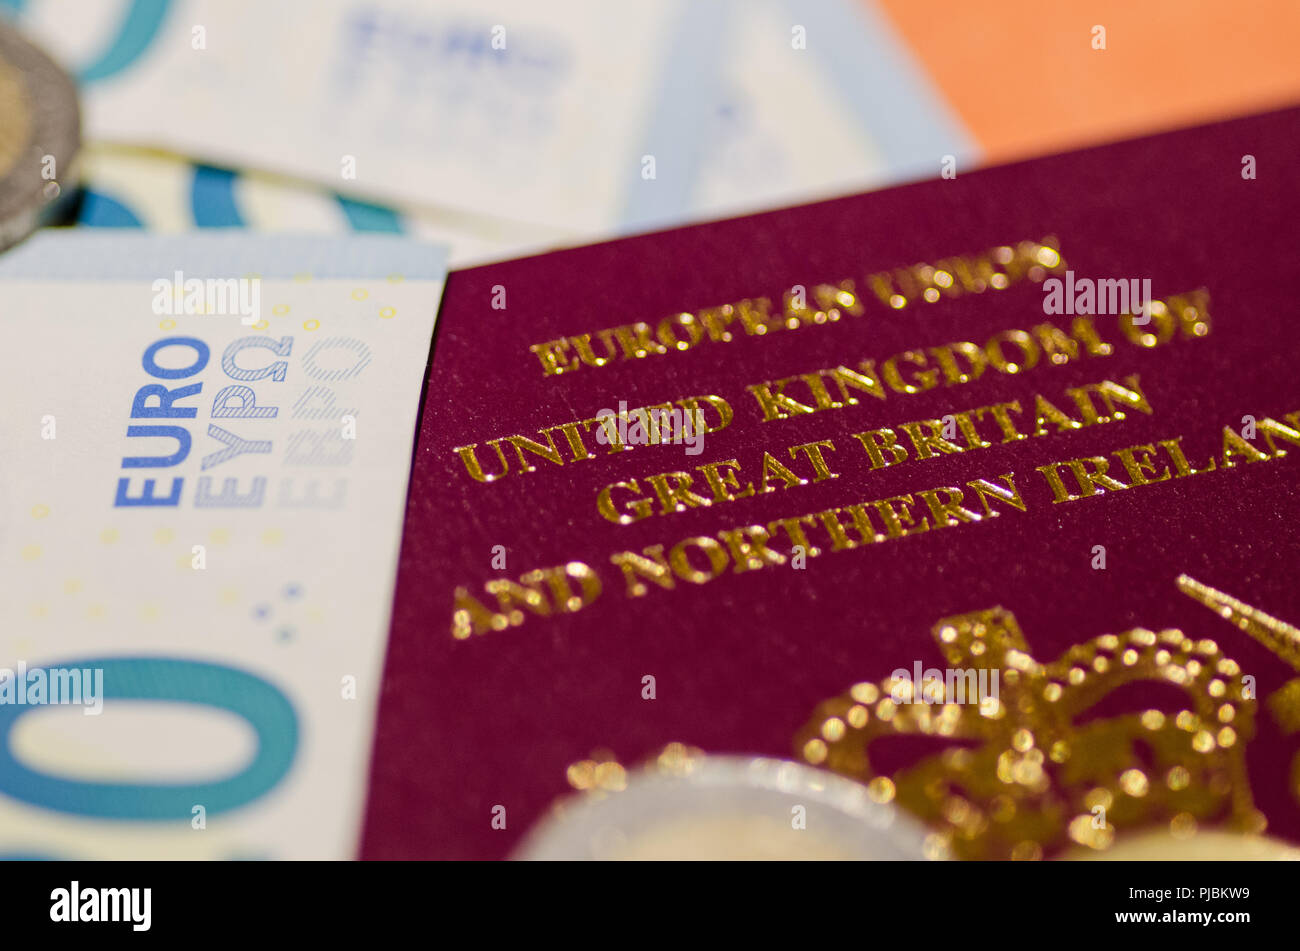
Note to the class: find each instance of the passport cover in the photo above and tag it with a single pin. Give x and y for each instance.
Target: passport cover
(921, 453)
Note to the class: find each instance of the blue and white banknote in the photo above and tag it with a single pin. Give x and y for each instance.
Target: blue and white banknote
(202, 480)
(126, 187)
(505, 125)
(817, 98)
(537, 113)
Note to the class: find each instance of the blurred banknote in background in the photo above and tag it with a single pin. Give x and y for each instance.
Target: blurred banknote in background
(199, 521)
(157, 191)
(509, 126)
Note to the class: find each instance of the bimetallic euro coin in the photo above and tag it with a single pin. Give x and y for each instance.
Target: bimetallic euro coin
(728, 808)
(40, 133)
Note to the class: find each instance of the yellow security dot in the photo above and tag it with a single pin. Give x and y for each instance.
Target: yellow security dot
(39, 610)
(312, 324)
(262, 324)
(388, 313)
(40, 511)
(219, 536)
(164, 536)
(149, 612)
(71, 586)
(229, 596)
(280, 310)
(395, 279)
(96, 611)
(1227, 736)
(166, 324)
(302, 276)
(272, 536)
(814, 751)
(1178, 778)
(360, 294)
(31, 552)
(897, 301)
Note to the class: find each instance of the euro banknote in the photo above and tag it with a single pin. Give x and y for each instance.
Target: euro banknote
(503, 111)
(579, 117)
(202, 481)
(149, 190)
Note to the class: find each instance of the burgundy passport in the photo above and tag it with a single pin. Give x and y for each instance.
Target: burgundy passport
(980, 492)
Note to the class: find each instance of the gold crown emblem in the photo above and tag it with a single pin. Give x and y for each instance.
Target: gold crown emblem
(1026, 771)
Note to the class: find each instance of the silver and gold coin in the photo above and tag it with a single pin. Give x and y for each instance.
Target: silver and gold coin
(40, 134)
(728, 808)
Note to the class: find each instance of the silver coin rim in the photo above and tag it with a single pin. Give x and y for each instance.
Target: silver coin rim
(866, 828)
(56, 130)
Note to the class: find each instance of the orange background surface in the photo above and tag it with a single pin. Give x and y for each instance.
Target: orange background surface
(1025, 80)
